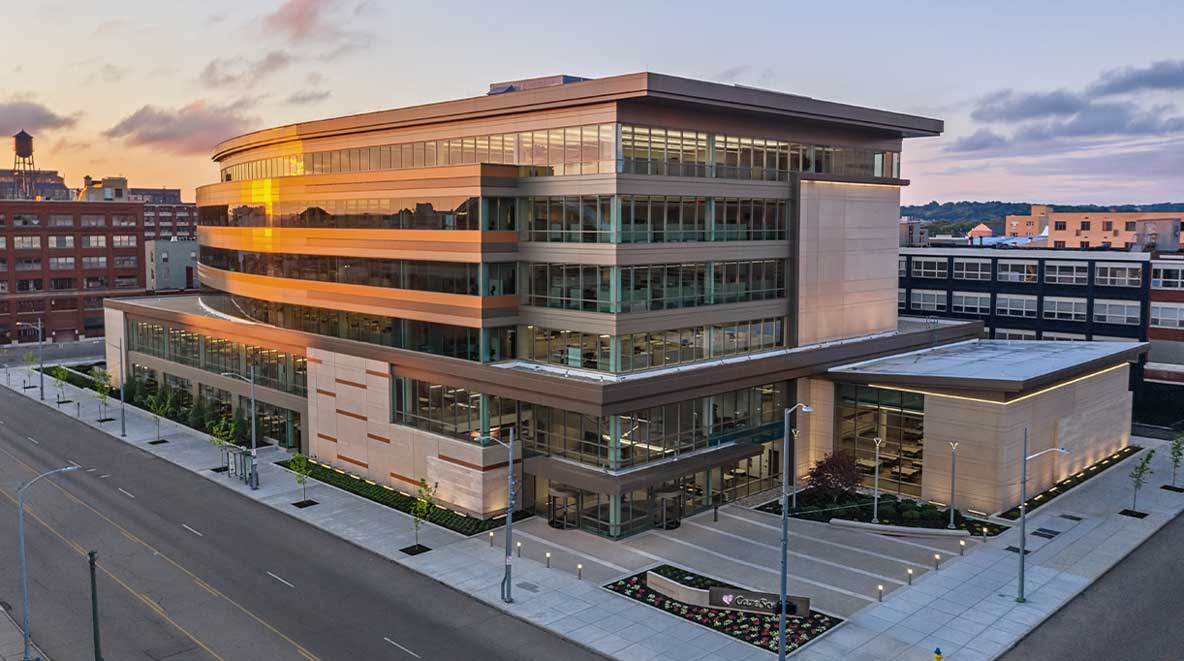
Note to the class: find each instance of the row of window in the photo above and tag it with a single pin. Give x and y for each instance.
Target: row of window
(26, 285)
(654, 219)
(1027, 271)
(1107, 225)
(272, 368)
(446, 277)
(68, 220)
(1019, 305)
(62, 241)
(612, 442)
(652, 286)
(41, 304)
(435, 213)
(590, 149)
(69, 263)
(641, 351)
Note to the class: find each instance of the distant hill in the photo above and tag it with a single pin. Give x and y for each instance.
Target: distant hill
(956, 214)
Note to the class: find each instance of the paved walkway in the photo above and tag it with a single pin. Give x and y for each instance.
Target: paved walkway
(967, 607)
(12, 641)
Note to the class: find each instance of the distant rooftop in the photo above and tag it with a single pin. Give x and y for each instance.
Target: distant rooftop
(1004, 365)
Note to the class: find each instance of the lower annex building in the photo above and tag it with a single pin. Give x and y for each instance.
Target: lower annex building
(637, 274)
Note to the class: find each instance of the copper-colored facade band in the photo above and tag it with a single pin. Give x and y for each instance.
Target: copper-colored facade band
(404, 478)
(381, 375)
(380, 439)
(352, 415)
(326, 437)
(353, 461)
(355, 384)
(327, 393)
(475, 467)
(313, 360)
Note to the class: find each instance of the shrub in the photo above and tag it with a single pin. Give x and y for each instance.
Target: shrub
(888, 511)
(910, 516)
(834, 476)
(930, 514)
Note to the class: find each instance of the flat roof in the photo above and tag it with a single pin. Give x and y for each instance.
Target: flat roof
(999, 365)
(595, 90)
(987, 252)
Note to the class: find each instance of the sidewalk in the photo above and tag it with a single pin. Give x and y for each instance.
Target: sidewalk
(12, 641)
(966, 608)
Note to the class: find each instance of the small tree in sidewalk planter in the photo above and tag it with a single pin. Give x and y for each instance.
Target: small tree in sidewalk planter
(424, 503)
(1139, 478)
(834, 476)
(1176, 451)
(299, 465)
(196, 417)
(28, 359)
(102, 379)
(160, 404)
(60, 375)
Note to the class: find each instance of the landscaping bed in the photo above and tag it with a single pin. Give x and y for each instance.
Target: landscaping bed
(753, 628)
(455, 521)
(894, 511)
(1072, 481)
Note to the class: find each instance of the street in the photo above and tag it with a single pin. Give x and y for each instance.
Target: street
(189, 570)
(55, 352)
(1130, 613)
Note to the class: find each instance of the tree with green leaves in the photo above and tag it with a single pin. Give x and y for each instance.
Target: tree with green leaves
(102, 380)
(222, 432)
(160, 404)
(1176, 450)
(300, 465)
(196, 418)
(424, 503)
(28, 359)
(1139, 476)
(60, 374)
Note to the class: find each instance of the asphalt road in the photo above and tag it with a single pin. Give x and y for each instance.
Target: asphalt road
(1132, 612)
(55, 352)
(190, 570)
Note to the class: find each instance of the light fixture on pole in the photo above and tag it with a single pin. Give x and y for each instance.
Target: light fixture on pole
(785, 474)
(1024, 508)
(20, 506)
(122, 398)
(40, 349)
(876, 483)
(507, 578)
(953, 472)
(253, 478)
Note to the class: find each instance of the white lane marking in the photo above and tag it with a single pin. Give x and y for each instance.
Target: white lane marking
(752, 542)
(401, 647)
(90, 470)
(281, 580)
(104, 476)
(817, 540)
(192, 530)
(35, 441)
(589, 558)
(74, 463)
(126, 493)
(797, 577)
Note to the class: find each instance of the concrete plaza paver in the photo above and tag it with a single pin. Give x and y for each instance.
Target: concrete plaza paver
(967, 607)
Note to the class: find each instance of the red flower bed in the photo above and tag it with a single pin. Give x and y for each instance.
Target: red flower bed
(752, 628)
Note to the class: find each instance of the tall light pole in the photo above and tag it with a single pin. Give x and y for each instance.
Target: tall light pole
(1024, 507)
(20, 506)
(253, 479)
(40, 349)
(953, 471)
(507, 579)
(876, 482)
(785, 475)
(122, 383)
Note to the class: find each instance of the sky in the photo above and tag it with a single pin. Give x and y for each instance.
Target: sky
(1043, 101)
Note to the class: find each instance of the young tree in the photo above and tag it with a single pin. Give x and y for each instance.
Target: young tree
(222, 435)
(160, 404)
(102, 379)
(1176, 449)
(28, 359)
(423, 504)
(60, 375)
(1139, 476)
(834, 476)
(299, 465)
(196, 418)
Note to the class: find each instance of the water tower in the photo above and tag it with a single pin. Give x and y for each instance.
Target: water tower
(22, 167)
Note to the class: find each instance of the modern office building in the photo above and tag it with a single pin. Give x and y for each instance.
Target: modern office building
(635, 274)
(60, 259)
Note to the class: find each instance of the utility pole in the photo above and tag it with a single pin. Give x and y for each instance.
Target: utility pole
(94, 605)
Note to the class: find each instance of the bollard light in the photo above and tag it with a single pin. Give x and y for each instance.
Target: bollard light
(937, 561)
(579, 572)
(490, 539)
(879, 593)
(910, 571)
(519, 549)
(961, 547)
(548, 559)
(984, 533)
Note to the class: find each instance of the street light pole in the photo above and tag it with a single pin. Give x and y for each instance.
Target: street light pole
(41, 354)
(953, 472)
(253, 478)
(507, 579)
(876, 483)
(94, 605)
(122, 383)
(786, 474)
(20, 506)
(1024, 508)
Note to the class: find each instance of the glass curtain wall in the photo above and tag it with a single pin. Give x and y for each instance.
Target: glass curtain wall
(898, 418)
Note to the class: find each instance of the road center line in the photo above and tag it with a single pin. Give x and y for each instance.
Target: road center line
(281, 580)
(126, 493)
(192, 530)
(401, 647)
(35, 441)
(104, 476)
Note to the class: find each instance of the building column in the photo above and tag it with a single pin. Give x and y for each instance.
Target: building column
(614, 516)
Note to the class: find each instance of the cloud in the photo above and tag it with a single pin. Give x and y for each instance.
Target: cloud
(322, 23)
(1162, 75)
(1160, 162)
(980, 140)
(307, 97)
(109, 73)
(731, 74)
(191, 129)
(1104, 119)
(1008, 106)
(32, 117)
(222, 72)
(111, 28)
(301, 20)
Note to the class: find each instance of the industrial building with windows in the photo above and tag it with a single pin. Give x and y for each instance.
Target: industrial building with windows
(636, 274)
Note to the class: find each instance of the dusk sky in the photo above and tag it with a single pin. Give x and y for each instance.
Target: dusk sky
(1070, 102)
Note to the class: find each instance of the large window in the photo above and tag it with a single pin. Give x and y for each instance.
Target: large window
(930, 268)
(1064, 309)
(572, 219)
(972, 269)
(426, 213)
(1167, 277)
(1013, 305)
(1116, 312)
(1167, 315)
(570, 286)
(1066, 273)
(1016, 270)
(1118, 275)
(968, 302)
(863, 414)
(928, 300)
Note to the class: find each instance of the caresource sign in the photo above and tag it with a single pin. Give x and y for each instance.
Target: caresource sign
(757, 602)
